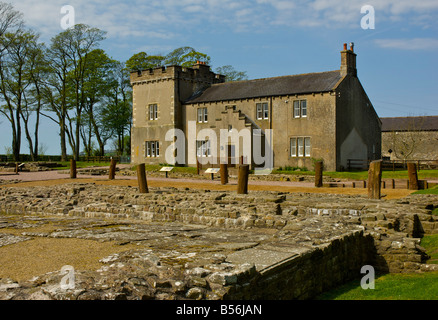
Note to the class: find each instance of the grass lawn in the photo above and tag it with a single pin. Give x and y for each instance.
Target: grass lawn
(81, 164)
(351, 175)
(412, 286)
(363, 175)
(433, 190)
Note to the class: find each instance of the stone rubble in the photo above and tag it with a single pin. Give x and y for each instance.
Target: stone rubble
(215, 244)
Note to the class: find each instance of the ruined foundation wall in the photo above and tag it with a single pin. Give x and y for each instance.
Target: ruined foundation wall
(316, 241)
(312, 272)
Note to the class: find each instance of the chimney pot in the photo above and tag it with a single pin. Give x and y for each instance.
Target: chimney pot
(345, 46)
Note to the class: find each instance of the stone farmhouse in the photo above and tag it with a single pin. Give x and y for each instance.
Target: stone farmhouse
(410, 138)
(181, 113)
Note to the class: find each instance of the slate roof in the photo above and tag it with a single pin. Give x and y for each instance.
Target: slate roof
(278, 86)
(424, 123)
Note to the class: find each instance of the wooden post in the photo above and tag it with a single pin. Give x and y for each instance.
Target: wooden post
(141, 177)
(392, 183)
(318, 174)
(72, 169)
(112, 169)
(413, 178)
(242, 182)
(16, 168)
(374, 179)
(198, 165)
(224, 173)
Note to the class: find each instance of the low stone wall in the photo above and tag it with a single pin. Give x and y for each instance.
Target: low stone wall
(311, 272)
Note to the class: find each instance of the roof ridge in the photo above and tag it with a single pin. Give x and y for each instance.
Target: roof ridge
(278, 77)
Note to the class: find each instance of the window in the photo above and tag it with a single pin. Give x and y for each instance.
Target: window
(293, 147)
(300, 108)
(300, 147)
(307, 147)
(152, 149)
(203, 148)
(202, 115)
(262, 111)
(304, 108)
(297, 109)
(153, 112)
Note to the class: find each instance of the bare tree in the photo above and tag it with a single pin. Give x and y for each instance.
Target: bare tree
(406, 137)
(10, 20)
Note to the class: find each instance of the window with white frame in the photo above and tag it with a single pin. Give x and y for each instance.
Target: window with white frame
(203, 148)
(202, 115)
(262, 111)
(300, 109)
(300, 147)
(152, 149)
(153, 112)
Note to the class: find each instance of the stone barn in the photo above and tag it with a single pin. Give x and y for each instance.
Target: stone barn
(410, 138)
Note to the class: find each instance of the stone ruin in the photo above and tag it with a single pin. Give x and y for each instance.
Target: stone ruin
(217, 244)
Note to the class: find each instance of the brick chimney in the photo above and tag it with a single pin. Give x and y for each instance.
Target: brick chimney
(348, 61)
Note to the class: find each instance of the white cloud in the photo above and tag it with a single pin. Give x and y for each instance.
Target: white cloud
(165, 19)
(408, 44)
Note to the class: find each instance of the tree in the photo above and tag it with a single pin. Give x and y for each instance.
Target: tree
(407, 137)
(70, 50)
(37, 73)
(15, 84)
(10, 19)
(141, 61)
(98, 82)
(10, 22)
(116, 115)
(231, 74)
(186, 57)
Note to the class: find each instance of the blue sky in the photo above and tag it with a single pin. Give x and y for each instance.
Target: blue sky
(397, 60)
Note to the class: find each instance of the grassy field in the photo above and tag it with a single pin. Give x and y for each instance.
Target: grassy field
(81, 164)
(363, 175)
(433, 190)
(350, 175)
(413, 286)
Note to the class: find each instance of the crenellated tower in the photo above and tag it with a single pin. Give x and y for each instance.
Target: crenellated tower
(158, 97)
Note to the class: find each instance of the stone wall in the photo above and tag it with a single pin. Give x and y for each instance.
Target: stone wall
(422, 144)
(311, 272)
(267, 245)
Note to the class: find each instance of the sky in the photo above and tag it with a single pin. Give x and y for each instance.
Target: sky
(396, 41)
